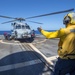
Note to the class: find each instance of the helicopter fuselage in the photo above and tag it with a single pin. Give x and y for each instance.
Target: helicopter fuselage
(21, 31)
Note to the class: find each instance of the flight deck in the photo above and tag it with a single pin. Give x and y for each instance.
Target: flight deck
(28, 58)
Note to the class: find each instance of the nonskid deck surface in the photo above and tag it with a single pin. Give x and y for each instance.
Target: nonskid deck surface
(19, 58)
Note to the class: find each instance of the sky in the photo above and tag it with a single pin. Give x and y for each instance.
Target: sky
(29, 8)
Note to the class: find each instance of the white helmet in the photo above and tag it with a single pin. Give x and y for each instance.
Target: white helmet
(69, 18)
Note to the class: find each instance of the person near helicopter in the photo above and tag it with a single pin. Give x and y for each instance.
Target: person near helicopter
(33, 33)
(7, 35)
(66, 46)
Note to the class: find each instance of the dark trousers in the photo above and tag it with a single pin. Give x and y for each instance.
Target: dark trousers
(64, 66)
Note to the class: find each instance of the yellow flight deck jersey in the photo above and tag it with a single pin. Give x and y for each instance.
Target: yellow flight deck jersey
(66, 45)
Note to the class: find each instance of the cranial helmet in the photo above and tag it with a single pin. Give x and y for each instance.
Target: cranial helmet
(69, 19)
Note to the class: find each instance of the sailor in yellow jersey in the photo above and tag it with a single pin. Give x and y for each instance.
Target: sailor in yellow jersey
(66, 45)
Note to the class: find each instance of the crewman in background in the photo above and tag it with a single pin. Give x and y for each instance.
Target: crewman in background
(66, 46)
(5, 35)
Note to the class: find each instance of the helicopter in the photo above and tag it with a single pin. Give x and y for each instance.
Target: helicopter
(22, 30)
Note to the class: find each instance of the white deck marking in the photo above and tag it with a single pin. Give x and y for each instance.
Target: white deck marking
(19, 65)
(9, 43)
(36, 50)
(40, 41)
(53, 57)
(16, 42)
(0, 40)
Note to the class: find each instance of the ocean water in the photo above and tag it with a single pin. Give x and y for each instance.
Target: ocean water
(36, 32)
(2, 32)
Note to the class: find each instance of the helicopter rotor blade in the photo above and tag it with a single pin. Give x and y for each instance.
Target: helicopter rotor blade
(64, 11)
(19, 19)
(15, 19)
(34, 22)
(8, 21)
(7, 17)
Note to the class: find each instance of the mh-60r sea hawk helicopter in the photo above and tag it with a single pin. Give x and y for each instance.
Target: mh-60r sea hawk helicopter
(23, 30)
(20, 30)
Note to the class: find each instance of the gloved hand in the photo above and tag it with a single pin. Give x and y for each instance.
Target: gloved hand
(39, 29)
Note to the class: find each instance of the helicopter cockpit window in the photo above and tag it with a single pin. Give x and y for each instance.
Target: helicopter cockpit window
(27, 27)
(18, 27)
(23, 27)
